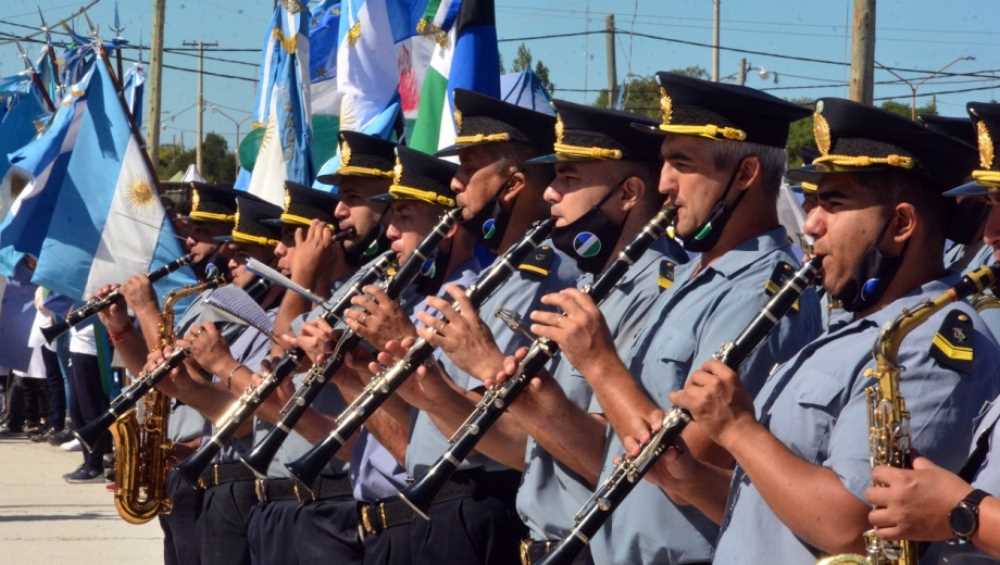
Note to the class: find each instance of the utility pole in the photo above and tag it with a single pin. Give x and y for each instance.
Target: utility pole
(715, 40)
(201, 99)
(862, 87)
(155, 82)
(609, 27)
(743, 71)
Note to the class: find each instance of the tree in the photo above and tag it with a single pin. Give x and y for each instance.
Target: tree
(641, 95)
(220, 163)
(523, 61)
(904, 109)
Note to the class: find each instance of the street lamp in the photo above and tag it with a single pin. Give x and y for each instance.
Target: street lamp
(237, 124)
(915, 86)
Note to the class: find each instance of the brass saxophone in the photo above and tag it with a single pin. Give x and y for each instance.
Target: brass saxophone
(889, 437)
(143, 454)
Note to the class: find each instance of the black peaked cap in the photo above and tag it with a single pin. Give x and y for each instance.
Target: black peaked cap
(588, 133)
(419, 176)
(483, 120)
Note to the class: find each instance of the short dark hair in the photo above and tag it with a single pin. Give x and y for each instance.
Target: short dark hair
(726, 154)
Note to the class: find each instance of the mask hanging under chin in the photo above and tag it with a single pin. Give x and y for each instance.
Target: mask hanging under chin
(872, 276)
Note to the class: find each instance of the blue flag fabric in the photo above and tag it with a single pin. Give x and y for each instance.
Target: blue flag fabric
(108, 222)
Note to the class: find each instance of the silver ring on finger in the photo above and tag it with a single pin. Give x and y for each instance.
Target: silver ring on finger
(363, 318)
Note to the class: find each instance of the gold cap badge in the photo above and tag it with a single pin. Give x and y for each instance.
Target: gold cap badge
(457, 114)
(345, 153)
(397, 172)
(985, 142)
(666, 107)
(821, 130)
(560, 129)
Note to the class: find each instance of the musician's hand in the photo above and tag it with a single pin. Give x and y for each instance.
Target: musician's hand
(914, 503)
(718, 401)
(153, 360)
(114, 317)
(673, 472)
(317, 338)
(424, 386)
(139, 295)
(378, 319)
(209, 350)
(580, 330)
(314, 253)
(465, 339)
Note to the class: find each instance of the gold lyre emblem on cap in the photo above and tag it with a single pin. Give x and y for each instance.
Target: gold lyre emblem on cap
(821, 130)
(457, 114)
(397, 172)
(195, 199)
(985, 143)
(666, 107)
(345, 153)
(560, 129)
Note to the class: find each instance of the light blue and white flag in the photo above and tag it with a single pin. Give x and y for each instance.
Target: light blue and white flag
(43, 160)
(284, 106)
(367, 67)
(381, 125)
(108, 222)
(135, 80)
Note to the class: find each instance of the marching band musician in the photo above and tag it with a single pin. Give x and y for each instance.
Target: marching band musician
(213, 209)
(228, 486)
(800, 446)
(723, 157)
(930, 502)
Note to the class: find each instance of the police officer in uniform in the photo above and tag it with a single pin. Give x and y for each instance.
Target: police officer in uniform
(800, 447)
(929, 502)
(212, 211)
(288, 526)
(723, 151)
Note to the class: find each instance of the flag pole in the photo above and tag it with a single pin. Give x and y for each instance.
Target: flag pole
(35, 79)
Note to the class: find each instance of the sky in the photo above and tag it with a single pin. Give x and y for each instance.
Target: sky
(915, 34)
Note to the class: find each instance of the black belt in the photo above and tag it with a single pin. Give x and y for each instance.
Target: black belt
(472, 483)
(374, 519)
(221, 473)
(273, 490)
(535, 552)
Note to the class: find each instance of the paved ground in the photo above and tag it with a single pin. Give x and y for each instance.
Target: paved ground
(45, 521)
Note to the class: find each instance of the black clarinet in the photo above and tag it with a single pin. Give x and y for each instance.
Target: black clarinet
(95, 305)
(305, 469)
(248, 403)
(261, 455)
(133, 393)
(495, 400)
(627, 474)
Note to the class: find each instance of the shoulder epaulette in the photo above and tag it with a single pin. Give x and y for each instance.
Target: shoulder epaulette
(538, 265)
(783, 271)
(951, 346)
(666, 276)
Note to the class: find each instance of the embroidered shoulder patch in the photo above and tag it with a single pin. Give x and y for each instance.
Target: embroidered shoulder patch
(782, 273)
(538, 265)
(952, 344)
(666, 277)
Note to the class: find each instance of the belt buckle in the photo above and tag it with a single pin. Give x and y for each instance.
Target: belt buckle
(303, 498)
(366, 520)
(382, 516)
(260, 490)
(525, 549)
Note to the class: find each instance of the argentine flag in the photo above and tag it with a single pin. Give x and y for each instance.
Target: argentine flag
(367, 71)
(283, 104)
(107, 223)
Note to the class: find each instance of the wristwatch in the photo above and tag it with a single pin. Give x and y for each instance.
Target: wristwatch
(964, 517)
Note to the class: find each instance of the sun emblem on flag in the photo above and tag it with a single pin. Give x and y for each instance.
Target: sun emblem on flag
(140, 194)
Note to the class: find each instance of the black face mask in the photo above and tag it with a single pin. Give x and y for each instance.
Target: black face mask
(433, 271)
(590, 239)
(708, 234)
(490, 223)
(370, 246)
(872, 276)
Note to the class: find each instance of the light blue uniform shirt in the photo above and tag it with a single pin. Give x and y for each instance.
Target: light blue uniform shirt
(815, 404)
(550, 492)
(687, 325)
(521, 293)
(375, 473)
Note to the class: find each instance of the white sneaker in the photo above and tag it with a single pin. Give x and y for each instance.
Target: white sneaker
(71, 445)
